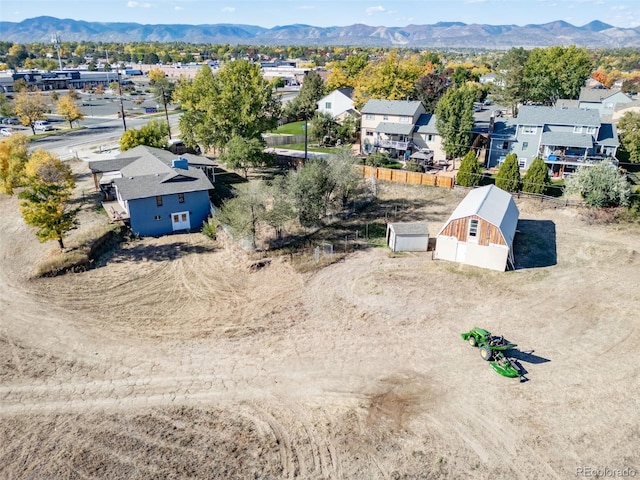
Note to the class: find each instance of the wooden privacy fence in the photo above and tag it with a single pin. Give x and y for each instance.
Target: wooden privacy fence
(402, 176)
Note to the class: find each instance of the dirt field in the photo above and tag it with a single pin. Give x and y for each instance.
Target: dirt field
(172, 359)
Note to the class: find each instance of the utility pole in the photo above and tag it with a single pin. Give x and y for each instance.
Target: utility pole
(124, 122)
(166, 113)
(306, 136)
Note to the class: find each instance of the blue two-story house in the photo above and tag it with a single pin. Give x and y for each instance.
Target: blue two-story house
(565, 138)
(156, 192)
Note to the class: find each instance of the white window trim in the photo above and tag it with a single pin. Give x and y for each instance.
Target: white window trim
(577, 129)
(473, 238)
(529, 129)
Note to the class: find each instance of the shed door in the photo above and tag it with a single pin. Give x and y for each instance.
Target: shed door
(461, 252)
(180, 221)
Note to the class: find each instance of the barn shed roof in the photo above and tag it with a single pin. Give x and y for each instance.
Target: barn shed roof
(491, 204)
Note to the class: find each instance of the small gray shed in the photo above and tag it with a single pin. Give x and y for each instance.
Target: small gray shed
(408, 236)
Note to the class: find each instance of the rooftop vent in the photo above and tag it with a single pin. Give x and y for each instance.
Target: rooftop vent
(181, 163)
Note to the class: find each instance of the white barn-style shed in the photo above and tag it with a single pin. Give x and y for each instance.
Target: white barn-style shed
(408, 236)
(480, 231)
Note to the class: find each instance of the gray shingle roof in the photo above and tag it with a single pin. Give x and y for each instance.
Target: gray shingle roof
(608, 135)
(346, 91)
(426, 124)
(126, 158)
(178, 181)
(536, 115)
(395, 128)
(567, 139)
(410, 228)
(596, 94)
(392, 107)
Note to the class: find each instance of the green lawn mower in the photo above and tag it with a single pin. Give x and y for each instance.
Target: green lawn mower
(492, 348)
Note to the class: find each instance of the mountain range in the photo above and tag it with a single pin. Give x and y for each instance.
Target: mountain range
(440, 35)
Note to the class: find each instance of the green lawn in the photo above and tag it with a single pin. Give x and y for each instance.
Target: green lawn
(293, 128)
(310, 148)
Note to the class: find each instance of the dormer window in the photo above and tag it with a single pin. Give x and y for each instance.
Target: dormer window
(577, 129)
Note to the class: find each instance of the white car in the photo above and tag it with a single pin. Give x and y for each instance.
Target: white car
(6, 132)
(43, 126)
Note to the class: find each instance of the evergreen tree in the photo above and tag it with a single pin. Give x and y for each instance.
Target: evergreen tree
(470, 172)
(508, 177)
(536, 180)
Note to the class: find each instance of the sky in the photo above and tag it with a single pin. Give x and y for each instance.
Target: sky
(326, 13)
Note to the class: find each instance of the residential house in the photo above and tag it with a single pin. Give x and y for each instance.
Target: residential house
(399, 127)
(480, 231)
(154, 191)
(565, 138)
(427, 140)
(604, 100)
(338, 104)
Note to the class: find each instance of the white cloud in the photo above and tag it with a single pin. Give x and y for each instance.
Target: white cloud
(229, 9)
(138, 5)
(374, 10)
(178, 8)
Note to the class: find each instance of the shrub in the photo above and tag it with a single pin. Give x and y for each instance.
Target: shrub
(210, 228)
(470, 172)
(600, 186)
(508, 177)
(536, 180)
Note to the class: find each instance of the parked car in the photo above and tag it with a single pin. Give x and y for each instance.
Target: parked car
(11, 121)
(43, 126)
(6, 132)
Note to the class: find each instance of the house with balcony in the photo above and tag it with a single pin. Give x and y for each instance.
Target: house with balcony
(400, 128)
(388, 125)
(565, 138)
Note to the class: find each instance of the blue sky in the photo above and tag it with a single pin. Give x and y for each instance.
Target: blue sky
(324, 13)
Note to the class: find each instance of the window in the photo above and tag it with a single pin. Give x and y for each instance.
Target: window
(525, 145)
(159, 200)
(505, 145)
(529, 129)
(429, 137)
(370, 116)
(608, 105)
(577, 129)
(369, 133)
(385, 117)
(181, 198)
(591, 130)
(157, 217)
(327, 105)
(473, 229)
(404, 119)
(522, 162)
